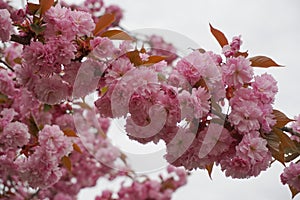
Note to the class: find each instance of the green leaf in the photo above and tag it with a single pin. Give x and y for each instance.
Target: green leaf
(37, 29)
(103, 22)
(263, 61)
(221, 38)
(116, 35)
(281, 119)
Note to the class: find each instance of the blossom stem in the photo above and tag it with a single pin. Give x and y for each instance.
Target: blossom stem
(9, 67)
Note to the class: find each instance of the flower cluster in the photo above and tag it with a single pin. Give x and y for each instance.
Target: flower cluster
(150, 189)
(207, 108)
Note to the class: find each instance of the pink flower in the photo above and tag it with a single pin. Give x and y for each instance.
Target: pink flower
(200, 99)
(7, 86)
(59, 23)
(119, 68)
(6, 116)
(290, 176)
(265, 88)
(179, 144)
(252, 156)
(82, 22)
(296, 124)
(94, 5)
(12, 52)
(87, 77)
(53, 140)
(244, 117)
(5, 25)
(216, 141)
(51, 90)
(102, 47)
(189, 72)
(237, 71)
(15, 135)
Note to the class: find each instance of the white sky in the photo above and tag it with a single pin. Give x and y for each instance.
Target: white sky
(268, 27)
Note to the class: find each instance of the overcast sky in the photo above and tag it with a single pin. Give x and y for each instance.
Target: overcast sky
(268, 27)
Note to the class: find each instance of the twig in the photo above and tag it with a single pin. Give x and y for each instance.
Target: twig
(9, 67)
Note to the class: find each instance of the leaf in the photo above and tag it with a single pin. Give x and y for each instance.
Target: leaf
(116, 35)
(281, 119)
(221, 38)
(293, 191)
(70, 133)
(263, 61)
(76, 148)
(18, 60)
(104, 21)
(66, 161)
(33, 127)
(209, 169)
(285, 140)
(37, 29)
(134, 57)
(277, 154)
(153, 60)
(244, 54)
(33, 8)
(45, 5)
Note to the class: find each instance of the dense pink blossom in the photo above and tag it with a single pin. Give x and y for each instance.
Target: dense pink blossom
(7, 86)
(53, 140)
(119, 68)
(6, 116)
(59, 23)
(82, 23)
(290, 176)
(237, 71)
(102, 47)
(5, 25)
(265, 87)
(42, 169)
(51, 90)
(14, 135)
(252, 156)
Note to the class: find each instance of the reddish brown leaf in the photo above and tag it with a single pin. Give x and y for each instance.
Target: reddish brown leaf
(116, 35)
(33, 8)
(221, 38)
(154, 59)
(77, 148)
(263, 61)
(104, 21)
(45, 5)
(70, 133)
(244, 54)
(209, 169)
(66, 161)
(293, 191)
(134, 57)
(286, 142)
(277, 154)
(281, 119)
